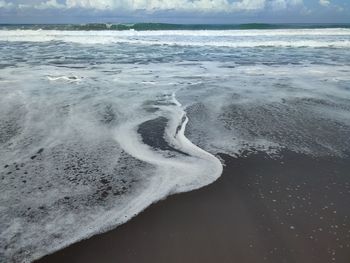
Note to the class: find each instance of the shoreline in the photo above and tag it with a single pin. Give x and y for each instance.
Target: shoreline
(289, 209)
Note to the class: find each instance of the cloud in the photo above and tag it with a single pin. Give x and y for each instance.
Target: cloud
(284, 4)
(4, 4)
(249, 5)
(49, 4)
(157, 5)
(181, 5)
(324, 2)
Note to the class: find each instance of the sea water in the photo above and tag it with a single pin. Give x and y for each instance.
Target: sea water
(97, 124)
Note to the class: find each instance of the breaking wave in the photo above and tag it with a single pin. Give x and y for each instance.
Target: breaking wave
(315, 38)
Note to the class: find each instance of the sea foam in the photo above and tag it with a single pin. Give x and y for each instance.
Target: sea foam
(73, 154)
(90, 135)
(337, 37)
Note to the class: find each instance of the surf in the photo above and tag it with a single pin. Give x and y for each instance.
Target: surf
(296, 38)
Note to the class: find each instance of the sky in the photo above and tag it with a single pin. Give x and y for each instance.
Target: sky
(175, 11)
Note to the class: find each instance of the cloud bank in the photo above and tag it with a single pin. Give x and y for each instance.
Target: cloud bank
(174, 11)
(157, 5)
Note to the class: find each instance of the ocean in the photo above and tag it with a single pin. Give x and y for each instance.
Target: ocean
(99, 121)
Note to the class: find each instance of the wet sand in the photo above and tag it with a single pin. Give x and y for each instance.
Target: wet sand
(294, 208)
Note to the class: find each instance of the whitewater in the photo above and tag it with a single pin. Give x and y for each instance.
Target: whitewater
(333, 37)
(95, 126)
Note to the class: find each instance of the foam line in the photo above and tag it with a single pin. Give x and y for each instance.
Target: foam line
(181, 173)
(315, 38)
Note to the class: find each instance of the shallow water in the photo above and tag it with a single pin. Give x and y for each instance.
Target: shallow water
(97, 125)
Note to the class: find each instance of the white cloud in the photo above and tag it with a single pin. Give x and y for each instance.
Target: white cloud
(4, 4)
(249, 5)
(324, 2)
(49, 4)
(158, 5)
(151, 5)
(187, 5)
(295, 2)
(284, 4)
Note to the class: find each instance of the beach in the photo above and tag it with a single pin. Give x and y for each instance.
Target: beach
(287, 208)
(169, 143)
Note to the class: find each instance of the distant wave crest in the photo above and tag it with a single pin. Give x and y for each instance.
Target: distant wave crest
(166, 26)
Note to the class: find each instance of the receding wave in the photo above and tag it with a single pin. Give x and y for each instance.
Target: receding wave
(88, 162)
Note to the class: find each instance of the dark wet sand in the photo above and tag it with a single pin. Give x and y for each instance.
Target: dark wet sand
(292, 209)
